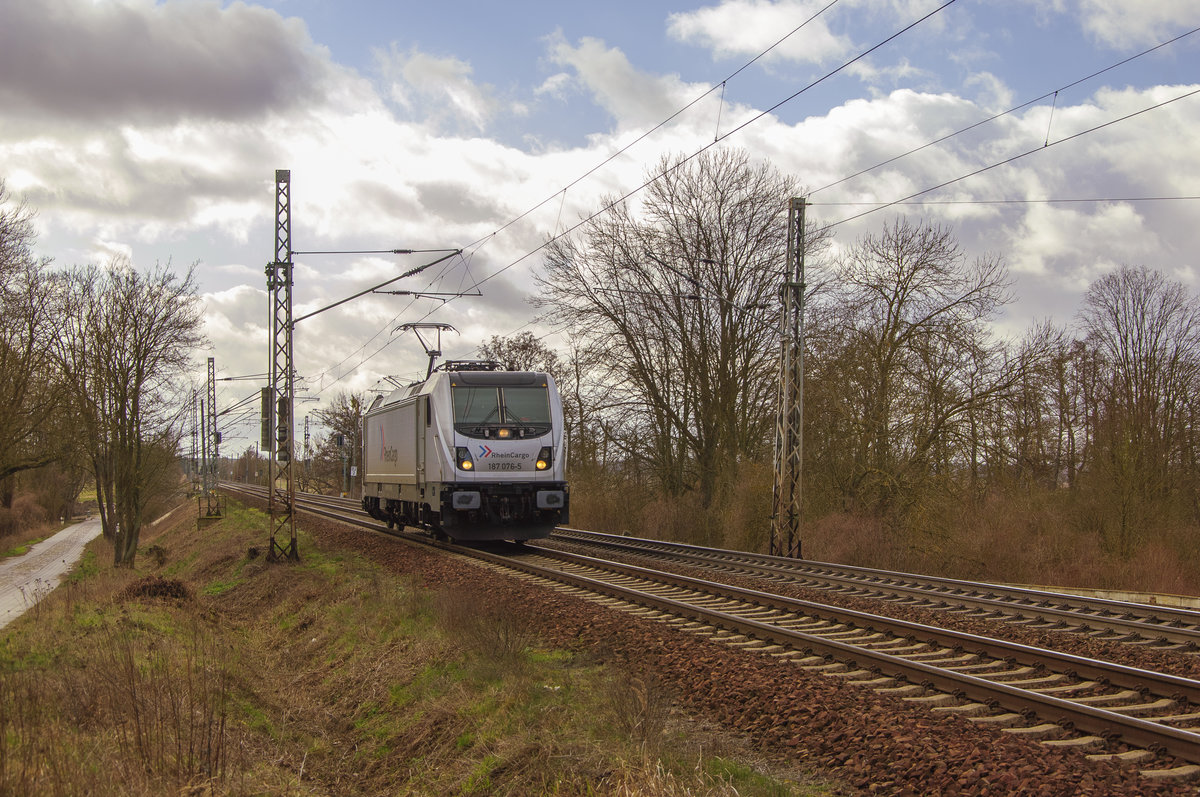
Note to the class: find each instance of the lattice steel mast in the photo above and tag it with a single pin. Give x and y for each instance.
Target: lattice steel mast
(194, 463)
(281, 477)
(789, 424)
(212, 444)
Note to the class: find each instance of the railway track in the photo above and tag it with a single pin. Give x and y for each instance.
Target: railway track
(1106, 710)
(1161, 627)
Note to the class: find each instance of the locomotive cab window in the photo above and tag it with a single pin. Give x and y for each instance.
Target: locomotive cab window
(526, 405)
(500, 411)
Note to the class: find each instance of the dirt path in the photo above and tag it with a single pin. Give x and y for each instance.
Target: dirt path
(25, 580)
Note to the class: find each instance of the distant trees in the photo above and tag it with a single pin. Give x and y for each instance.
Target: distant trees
(522, 352)
(333, 462)
(1144, 331)
(87, 363)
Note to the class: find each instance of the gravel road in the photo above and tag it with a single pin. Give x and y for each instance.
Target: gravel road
(25, 580)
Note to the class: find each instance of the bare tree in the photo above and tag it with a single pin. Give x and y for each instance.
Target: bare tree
(674, 299)
(342, 448)
(915, 355)
(30, 397)
(124, 339)
(1145, 331)
(523, 352)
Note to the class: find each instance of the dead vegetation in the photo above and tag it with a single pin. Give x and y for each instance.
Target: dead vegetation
(207, 670)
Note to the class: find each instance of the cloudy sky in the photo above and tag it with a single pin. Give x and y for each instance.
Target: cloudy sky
(152, 131)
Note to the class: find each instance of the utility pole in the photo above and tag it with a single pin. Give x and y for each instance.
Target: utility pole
(281, 491)
(786, 502)
(307, 456)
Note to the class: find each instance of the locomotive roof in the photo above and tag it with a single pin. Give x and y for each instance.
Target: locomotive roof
(467, 379)
(483, 378)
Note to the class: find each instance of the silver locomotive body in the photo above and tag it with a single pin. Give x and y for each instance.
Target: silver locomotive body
(468, 454)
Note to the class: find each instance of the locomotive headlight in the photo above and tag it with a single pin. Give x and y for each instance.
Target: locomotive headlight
(462, 458)
(543, 458)
(504, 433)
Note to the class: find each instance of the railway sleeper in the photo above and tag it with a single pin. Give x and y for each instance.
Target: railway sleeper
(962, 658)
(1038, 682)
(1041, 731)
(1003, 719)
(1077, 742)
(962, 709)
(1122, 696)
(1136, 756)
(902, 690)
(1144, 708)
(1080, 686)
(1179, 719)
(1188, 772)
(939, 699)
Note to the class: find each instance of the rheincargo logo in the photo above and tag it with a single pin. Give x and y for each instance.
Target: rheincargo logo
(486, 452)
(387, 454)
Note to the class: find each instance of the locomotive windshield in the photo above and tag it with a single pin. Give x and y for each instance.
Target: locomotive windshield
(480, 410)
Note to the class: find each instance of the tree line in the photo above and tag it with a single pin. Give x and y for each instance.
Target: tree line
(671, 307)
(91, 367)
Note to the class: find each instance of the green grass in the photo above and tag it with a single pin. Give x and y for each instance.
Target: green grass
(214, 588)
(23, 548)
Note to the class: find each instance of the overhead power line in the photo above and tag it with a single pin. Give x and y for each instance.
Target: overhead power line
(681, 162)
(1018, 156)
(655, 128)
(1014, 109)
(1045, 201)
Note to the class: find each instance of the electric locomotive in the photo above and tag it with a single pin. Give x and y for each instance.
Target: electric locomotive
(472, 453)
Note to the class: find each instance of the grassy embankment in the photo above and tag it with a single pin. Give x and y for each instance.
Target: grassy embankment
(207, 670)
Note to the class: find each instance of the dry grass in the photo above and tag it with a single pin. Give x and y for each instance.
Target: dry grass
(1038, 537)
(206, 670)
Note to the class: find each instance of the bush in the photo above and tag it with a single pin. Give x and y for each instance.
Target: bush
(24, 514)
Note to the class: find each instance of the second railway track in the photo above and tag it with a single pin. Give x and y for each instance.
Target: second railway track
(1105, 620)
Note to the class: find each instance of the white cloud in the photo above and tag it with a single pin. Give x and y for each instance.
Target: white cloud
(440, 89)
(747, 27)
(556, 86)
(800, 31)
(633, 97)
(1125, 25)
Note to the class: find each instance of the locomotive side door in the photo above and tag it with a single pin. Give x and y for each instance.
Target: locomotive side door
(422, 421)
